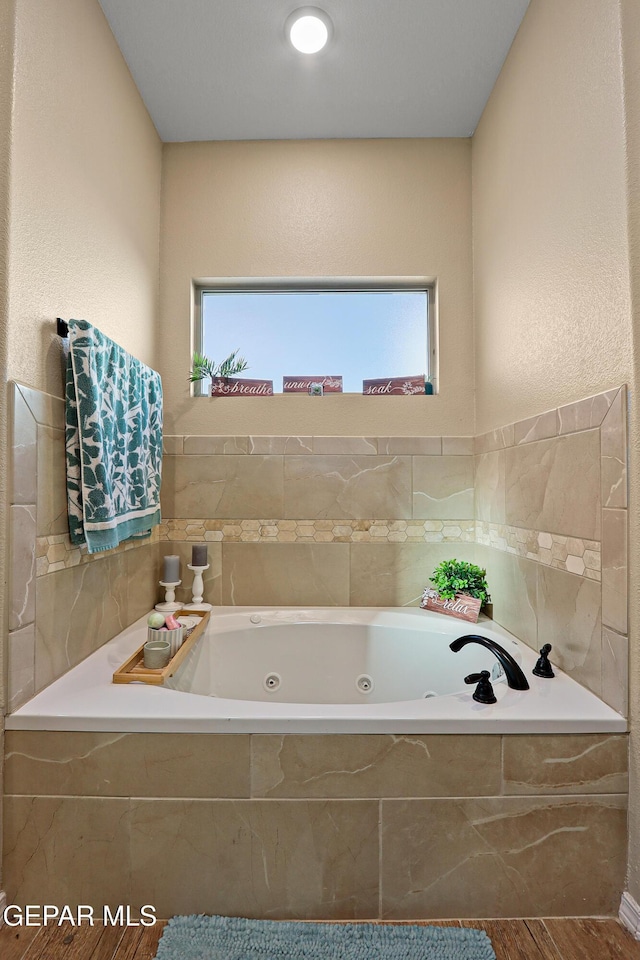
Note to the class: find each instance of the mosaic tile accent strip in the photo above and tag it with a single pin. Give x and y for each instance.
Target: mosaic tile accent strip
(56, 552)
(575, 555)
(320, 531)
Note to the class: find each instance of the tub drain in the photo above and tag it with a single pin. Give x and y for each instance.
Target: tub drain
(364, 683)
(271, 682)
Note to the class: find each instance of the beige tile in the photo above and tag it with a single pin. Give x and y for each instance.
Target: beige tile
(77, 610)
(288, 446)
(287, 574)
(345, 445)
(490, 486)
(513, 585)
(208, 446)
(73, 850)
(564, 763)
(278, 859)
(613, 445)
(503, 857)
(22, 565)
(536, 428)
(52, 482)
(569, 619)
(396, 574)
(410, 446)
(374, 766)
(231, 486)
(614, 569)
(615, 670)
(554, 485)
(457, 446)
(21, 666)
(23, 451)
(46, 409)
(496, 439)
(585, 414)
(212, 578)
(173, 446)
(142, 572)
(443, 488)
(351, 487)
(126, 764)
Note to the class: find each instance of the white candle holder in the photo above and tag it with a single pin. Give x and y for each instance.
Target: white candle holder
(169, 605)
(197, 590)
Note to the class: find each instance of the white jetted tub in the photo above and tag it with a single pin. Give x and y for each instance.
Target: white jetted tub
(324, 670)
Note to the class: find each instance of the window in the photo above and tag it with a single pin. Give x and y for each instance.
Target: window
(362, 331)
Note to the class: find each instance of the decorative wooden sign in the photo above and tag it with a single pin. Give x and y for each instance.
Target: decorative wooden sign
(393, 386)
(302, 384)
(234, 387)
(461, 606)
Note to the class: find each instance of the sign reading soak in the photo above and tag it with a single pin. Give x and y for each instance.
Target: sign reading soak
(304, 384)
(393, 386)
(461, 606)
(234, 387)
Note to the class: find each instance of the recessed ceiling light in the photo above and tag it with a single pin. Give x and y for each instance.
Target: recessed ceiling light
(308, 29)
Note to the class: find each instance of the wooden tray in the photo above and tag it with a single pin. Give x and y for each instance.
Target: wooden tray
(133, 670)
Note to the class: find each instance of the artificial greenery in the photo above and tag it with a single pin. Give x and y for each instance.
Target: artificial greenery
(457, 576)
(204, 367)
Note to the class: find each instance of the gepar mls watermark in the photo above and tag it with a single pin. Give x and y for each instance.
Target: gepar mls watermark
(48, 914)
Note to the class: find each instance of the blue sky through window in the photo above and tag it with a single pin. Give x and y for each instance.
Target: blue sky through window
(359, 334)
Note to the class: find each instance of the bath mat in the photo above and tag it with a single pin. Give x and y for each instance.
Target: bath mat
(233, 938)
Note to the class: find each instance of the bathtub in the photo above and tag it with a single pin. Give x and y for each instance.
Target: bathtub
(322, 670)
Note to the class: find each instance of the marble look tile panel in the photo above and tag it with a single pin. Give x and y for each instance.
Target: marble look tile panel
(126, 764)
(310, 860)
(513, 583)
(443, 487)
(142, 572)
(395, 574)
(540, 853)
(52, 482)
(46, 409)
(23, 451)
(78, 610)
(542, 427)
(332, 530)
(229, 486)
(211, 578)
(489, 486)
(574, 554)
(286, 574)
(374, 766)
(496, 439)
(208, 446)
(613, 448)
(58, 553)
(410, 446)
(287, 446)
(352, 487)
(458, 446)
(172, 445)
(324, 446)
(21, 666)
(584, 414)
(614, 570)
(591, 763)
(569, 618)
(22, 565)
(615, 670)
(76, 849)
(555, 485)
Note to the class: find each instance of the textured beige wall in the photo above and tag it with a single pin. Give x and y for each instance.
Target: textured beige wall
(85, 190)
(631, 57)
(315, 209)
(551, 279)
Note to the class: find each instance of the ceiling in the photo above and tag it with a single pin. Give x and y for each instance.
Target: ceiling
(223, 70)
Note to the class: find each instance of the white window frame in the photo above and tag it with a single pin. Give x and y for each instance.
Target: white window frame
(317, 285)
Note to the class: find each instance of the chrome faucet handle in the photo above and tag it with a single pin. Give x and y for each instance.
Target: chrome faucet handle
(484, 691)
(543, 668)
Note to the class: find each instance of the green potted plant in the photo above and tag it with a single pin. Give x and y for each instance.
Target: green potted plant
(459, 590)
(218, 373)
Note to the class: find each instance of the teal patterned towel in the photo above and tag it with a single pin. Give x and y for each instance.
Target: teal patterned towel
(113, 441)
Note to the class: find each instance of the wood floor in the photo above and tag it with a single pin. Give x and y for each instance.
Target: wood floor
(511, 939)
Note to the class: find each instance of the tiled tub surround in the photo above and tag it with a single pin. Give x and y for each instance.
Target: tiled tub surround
(60, 616)
(328, 827)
